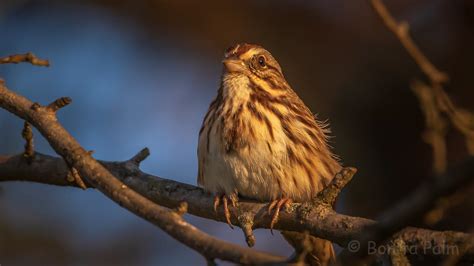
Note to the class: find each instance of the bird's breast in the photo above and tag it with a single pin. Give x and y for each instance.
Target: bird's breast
(262, 149)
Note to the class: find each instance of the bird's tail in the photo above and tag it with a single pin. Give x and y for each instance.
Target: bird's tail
(317, 251)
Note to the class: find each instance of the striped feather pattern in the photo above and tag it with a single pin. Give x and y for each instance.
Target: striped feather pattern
(258, 139)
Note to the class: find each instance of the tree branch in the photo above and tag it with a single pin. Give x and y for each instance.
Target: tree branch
(330, 193)
(435, 124)
(59, 103)
(440, 103)
(99, 177)
(434, 103)
(317, 218)
(413, 207)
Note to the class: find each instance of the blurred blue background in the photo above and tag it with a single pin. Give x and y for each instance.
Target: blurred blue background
(143, 74)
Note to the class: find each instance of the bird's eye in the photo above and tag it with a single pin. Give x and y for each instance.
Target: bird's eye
(261, 61)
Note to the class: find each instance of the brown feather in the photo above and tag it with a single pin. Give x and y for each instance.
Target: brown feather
(267, 145)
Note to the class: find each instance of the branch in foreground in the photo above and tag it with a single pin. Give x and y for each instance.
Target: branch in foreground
(319, 219)
(169, 221)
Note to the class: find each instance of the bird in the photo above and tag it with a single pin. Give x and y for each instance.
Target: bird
(258, 140)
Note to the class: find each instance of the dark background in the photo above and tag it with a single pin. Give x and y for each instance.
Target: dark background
(142, 73)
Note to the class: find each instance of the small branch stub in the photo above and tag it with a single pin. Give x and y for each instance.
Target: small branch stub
(28, 58)
(59, 103)
(73, 176)
(35, 106)
(182, 208)
(140, 156)
(246, 223)
(330, 193)
(27, 134)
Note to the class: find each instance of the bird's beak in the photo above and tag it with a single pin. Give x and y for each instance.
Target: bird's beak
(234, 65)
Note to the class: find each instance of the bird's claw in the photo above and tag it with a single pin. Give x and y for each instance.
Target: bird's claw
(225, 201)
(277, 205)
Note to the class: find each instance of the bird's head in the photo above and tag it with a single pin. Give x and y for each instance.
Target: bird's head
(253, 62)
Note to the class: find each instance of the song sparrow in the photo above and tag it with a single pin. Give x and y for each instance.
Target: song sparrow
(260, 141)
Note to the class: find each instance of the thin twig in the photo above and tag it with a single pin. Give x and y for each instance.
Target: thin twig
(462, 120)
(434, 102)
(435, 131)
(401, 30)
(442, 205)
(73, 175)
(140, 156)
(28, 57)
(59, 103)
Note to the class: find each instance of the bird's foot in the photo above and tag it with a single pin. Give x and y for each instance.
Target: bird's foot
(277, 205)
(225, 200)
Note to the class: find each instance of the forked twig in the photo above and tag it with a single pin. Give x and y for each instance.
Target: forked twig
(434, 102)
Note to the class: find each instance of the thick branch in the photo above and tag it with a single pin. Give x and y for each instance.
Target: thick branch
(319, 219)
(98, 176)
